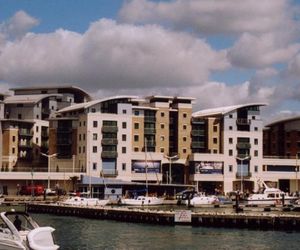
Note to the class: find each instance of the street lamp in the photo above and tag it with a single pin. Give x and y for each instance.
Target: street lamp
(242, 177)
(49, 157)
(170, 158)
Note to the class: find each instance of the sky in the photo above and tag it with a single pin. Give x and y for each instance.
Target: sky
(222, 52)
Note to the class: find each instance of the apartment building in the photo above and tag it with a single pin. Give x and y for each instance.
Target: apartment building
(24, 127)
(118, 137)
(226, 148)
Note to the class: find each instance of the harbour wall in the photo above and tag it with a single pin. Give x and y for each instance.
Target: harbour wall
(260, 221)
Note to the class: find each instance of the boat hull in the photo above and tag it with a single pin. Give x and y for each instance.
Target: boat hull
(142, 201)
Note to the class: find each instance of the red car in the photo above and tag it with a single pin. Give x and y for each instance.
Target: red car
(36, 190)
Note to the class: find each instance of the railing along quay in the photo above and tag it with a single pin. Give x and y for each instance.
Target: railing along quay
(263, 220)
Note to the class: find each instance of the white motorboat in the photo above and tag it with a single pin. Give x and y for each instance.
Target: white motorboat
(18, 231)
(142, 201)
(201, 199)
(269, 196)
(82, 201)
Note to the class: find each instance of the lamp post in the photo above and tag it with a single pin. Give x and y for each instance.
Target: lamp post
(170, 158)
(296, 169)
(49, 158)
(242, 177)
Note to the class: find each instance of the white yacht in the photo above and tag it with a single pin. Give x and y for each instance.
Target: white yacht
(18, 231)
(82, 201)
(269, 196)
(143, 201)
(202, 199)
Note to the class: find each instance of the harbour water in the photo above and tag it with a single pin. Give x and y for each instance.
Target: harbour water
(77, 233)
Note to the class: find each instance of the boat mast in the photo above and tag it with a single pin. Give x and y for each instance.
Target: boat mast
(146, 165)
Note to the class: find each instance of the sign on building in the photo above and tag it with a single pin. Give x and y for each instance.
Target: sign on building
(183, 216)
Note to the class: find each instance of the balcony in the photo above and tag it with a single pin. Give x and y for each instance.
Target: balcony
(45, 134)
(150, 144)
(46, 111)
(243, 145)
(149, 119)
(25, 132)
(149, 131)
(109, 141)
(245, 175)
(109, 154)
(198, 144)
(109, 129)
(25, 145)
(64, 130)
(243, 121)
(62, 141)
(109, 172)
(198, 133)
(243, 156)
(45, 144)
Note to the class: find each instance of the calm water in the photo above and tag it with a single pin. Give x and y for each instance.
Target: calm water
(76, 233)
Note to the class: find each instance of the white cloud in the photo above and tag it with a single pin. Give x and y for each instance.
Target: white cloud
(18, 25)
(111, 55)
(259, 51)
(211, 17)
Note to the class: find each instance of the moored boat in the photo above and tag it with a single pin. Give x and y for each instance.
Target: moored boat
(201, 199)
(142, 200)
(18, 231)
(82, 201)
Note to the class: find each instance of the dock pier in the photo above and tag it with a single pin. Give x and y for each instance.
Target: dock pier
(260, 221)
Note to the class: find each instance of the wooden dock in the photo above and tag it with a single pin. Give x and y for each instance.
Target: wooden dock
(260, 220)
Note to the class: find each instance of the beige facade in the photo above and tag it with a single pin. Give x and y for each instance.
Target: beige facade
(214, 135)
(184, 131)
(162, 131)
(137, 133)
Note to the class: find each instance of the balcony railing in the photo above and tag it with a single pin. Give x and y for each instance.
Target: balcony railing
(149, 119)
(149, 131)
(109, 172)
(198, 144)
(245, 175)
(243, 121)
(109, 154)
(198, 133)
(150, 144)
(109, 141)
(109, 129)
(64, 130)
(25, 132)
(243, 145)
(45, 134)
(25, 144)
(61, 141)
(243, 156)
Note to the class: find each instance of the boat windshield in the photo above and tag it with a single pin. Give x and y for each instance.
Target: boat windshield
(4, 228)
(21, 221)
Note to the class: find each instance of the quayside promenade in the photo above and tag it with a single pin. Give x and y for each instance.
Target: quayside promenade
(273, 220)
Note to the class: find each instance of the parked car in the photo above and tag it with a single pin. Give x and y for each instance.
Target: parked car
(28, 190)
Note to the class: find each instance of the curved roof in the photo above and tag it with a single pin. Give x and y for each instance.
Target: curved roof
(92, 103)
(28, 98)
(78, 92)
(224, 110)
(283, 120)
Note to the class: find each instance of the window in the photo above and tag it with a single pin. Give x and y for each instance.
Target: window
(162, 114)
(184, 138)
(123, 150)
(94, 149)
(79, 124)
(136, 112)
(184, 115)
(230, 116)
(13, 138)
(162, 138)
(36, 140)
(124, 125)
(215, 140)
(136, 149)
(94, 166)
(79, 150)
(230, 152)
(93, 110)
(162, 150)
(124, 111)
(255, 153)
(136, 125)
(230, 127)
(253, 117)
(95, 124)
(255, 128)
(124, 137)
(13, 150)
(184, 127)
(124, 166)
(95, 136)
(162, 126)
(215, 151)
(136, 138)
(83, 149)
(79, 137)
(19, 116)
(230, 168)
(215, 128)
(83, 123)
(37, 117)
(256, 141)
(230, 140)
(255, 168)
(83, 135)
(37, 129)
(184, 150)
